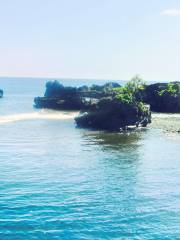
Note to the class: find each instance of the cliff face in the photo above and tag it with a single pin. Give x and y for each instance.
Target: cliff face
(163, 97)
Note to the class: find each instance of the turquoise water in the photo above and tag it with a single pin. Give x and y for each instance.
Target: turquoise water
(61, 182)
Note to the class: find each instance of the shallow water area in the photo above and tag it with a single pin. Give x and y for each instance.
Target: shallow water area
(169, 123)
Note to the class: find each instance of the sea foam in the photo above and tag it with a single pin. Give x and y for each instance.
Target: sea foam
(38, 115)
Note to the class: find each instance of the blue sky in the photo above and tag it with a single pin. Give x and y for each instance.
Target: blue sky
(102, 39)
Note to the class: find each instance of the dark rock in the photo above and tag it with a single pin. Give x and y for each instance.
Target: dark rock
(100, 106)
(72, 103)
(60, 97)
(163, 97)
(111, 114)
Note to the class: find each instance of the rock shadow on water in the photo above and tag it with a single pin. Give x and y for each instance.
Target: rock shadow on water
(114, 141)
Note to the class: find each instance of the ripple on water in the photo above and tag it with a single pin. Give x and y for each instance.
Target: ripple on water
(60, 182)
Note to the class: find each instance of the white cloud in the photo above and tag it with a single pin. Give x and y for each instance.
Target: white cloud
(173, 12)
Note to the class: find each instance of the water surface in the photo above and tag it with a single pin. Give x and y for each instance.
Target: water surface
(61, 182)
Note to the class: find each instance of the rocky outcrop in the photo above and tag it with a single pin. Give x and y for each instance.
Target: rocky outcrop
(111, 114)
(102, 107)
(163, 97)
(60, 97)
(73, 103)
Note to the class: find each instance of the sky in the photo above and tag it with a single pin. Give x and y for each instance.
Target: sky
(100, 39)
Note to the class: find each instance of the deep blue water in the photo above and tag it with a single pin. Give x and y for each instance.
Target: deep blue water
(61, 182)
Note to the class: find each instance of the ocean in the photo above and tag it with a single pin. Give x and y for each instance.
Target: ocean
(61, 182)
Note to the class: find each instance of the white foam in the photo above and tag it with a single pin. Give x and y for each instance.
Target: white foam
(165, 115)
(43, 114)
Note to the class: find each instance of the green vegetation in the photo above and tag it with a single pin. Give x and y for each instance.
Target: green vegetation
(142, 107)
(172, 89)
(118, 111)
(135, 94)
(129, 93)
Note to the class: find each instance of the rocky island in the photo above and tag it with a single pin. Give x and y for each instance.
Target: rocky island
(59, 97)
(108, 107)
(111, 106)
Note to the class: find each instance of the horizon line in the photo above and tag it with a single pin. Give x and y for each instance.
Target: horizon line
(81, 78)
